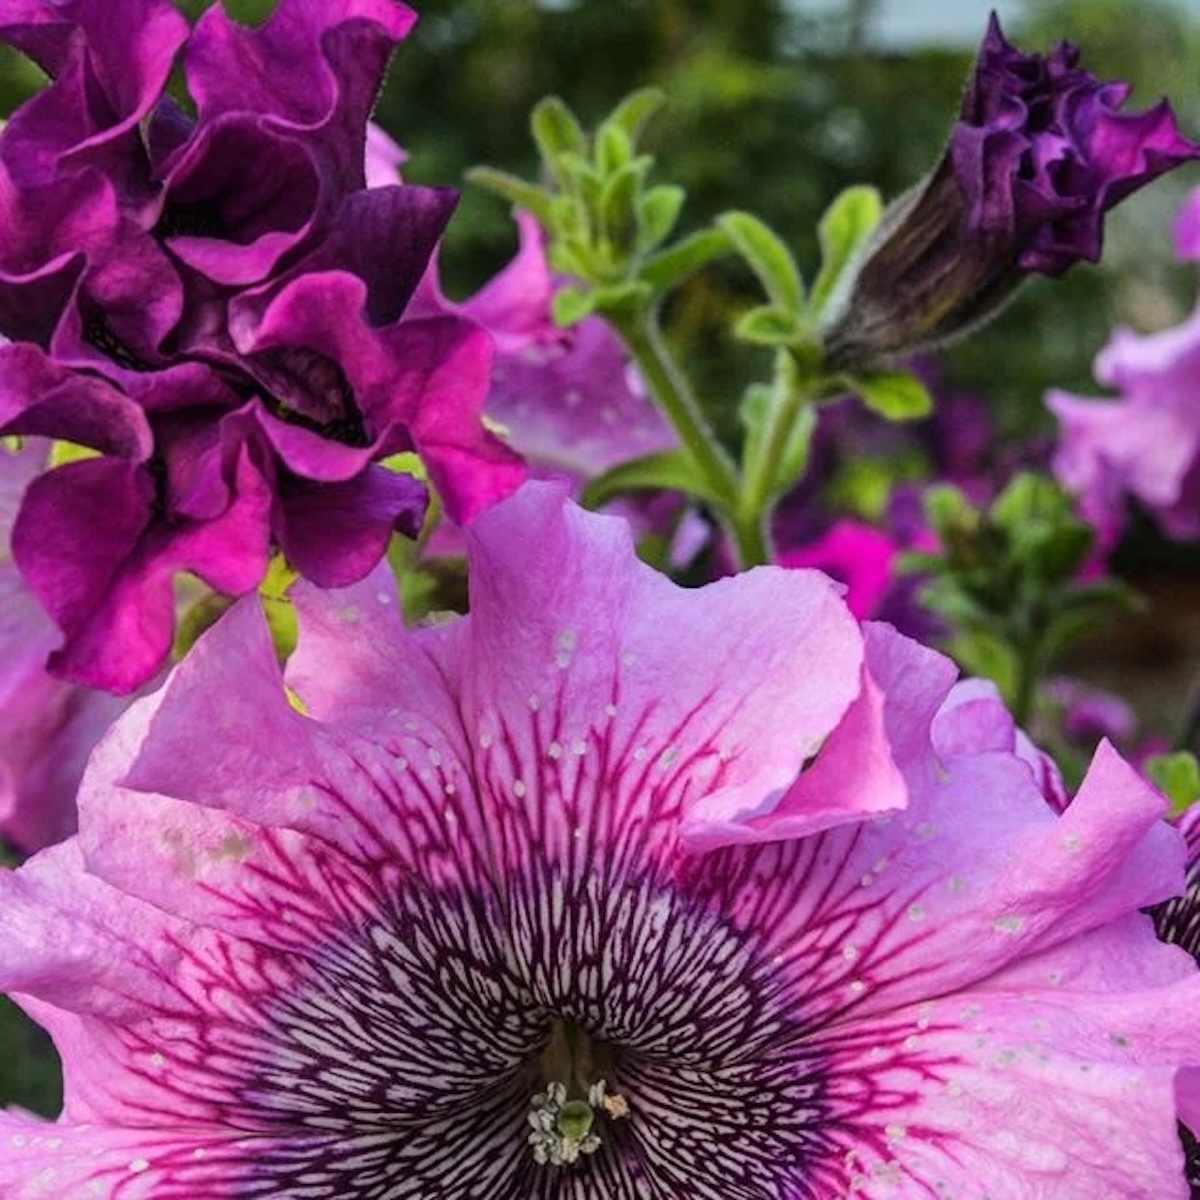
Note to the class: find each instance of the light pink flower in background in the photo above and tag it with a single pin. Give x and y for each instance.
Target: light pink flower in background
(47, 726)
(1144, 443)
(1187, 228)
(608, 889)
(568, 399)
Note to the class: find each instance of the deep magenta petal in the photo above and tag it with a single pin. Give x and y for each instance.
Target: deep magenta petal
(312, 70)
(334, 534)
(89, 544)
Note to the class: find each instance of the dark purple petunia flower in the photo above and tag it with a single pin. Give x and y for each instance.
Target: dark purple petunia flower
(217, 304)
(1040, 152)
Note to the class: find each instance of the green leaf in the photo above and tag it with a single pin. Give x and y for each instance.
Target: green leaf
(584, 181)
(568, 218)
(622, 300)
(566, 258)
(618, 204)
(1048, 542)
(1177, 776)
(896, 395)
(988, 656)
(754, 411)
(768, 325)
(663, 271)
(200, 615)
(947, 508)
(635, 110)
(846, 225)
(672, 469)
(557, 134)
(767, 257)
(656, 211)
(1031, 496)
(516, 191)
(571, 305)
(614, 149)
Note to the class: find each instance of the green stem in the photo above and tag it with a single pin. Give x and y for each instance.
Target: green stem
(761, 470)
(674, 396)
(1029, 659)
(675, 399)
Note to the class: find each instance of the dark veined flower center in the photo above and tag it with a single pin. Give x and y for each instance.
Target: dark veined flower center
(97, 332)
(592, 1039)
(191, 220)
(304, 387)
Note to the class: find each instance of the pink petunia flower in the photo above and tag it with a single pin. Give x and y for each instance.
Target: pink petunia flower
(606, 889)
(47, 726)
(1146, 442)
(568, 399)
(857, 555)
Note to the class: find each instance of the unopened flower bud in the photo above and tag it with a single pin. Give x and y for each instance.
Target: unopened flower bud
(1038, 155)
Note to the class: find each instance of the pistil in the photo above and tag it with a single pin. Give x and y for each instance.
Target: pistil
(567, 1117)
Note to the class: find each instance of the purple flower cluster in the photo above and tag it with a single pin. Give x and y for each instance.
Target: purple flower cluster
(216, 304)
(1040, 152)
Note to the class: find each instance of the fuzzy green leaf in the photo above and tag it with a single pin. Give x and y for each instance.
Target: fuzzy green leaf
(657, 210)
(767, 257)
(635, 110)
(614, 149)
(1177, 776)
(677, 262)
(896, 395)
(846, 225)
(570, 306)
(767, 325)
(516, 191)
(557, 133)
(672, 469)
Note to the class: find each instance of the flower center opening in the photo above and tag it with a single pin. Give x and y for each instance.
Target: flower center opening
(304, 387)
(567, 1118)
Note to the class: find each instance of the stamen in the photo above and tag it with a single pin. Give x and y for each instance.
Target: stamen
(563, 1129)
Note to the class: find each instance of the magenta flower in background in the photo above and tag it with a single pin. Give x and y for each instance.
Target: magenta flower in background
(216, 304)
(1040, 152)
(1144, 443)
(856, 555)
(543, 903)
(47, 726)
